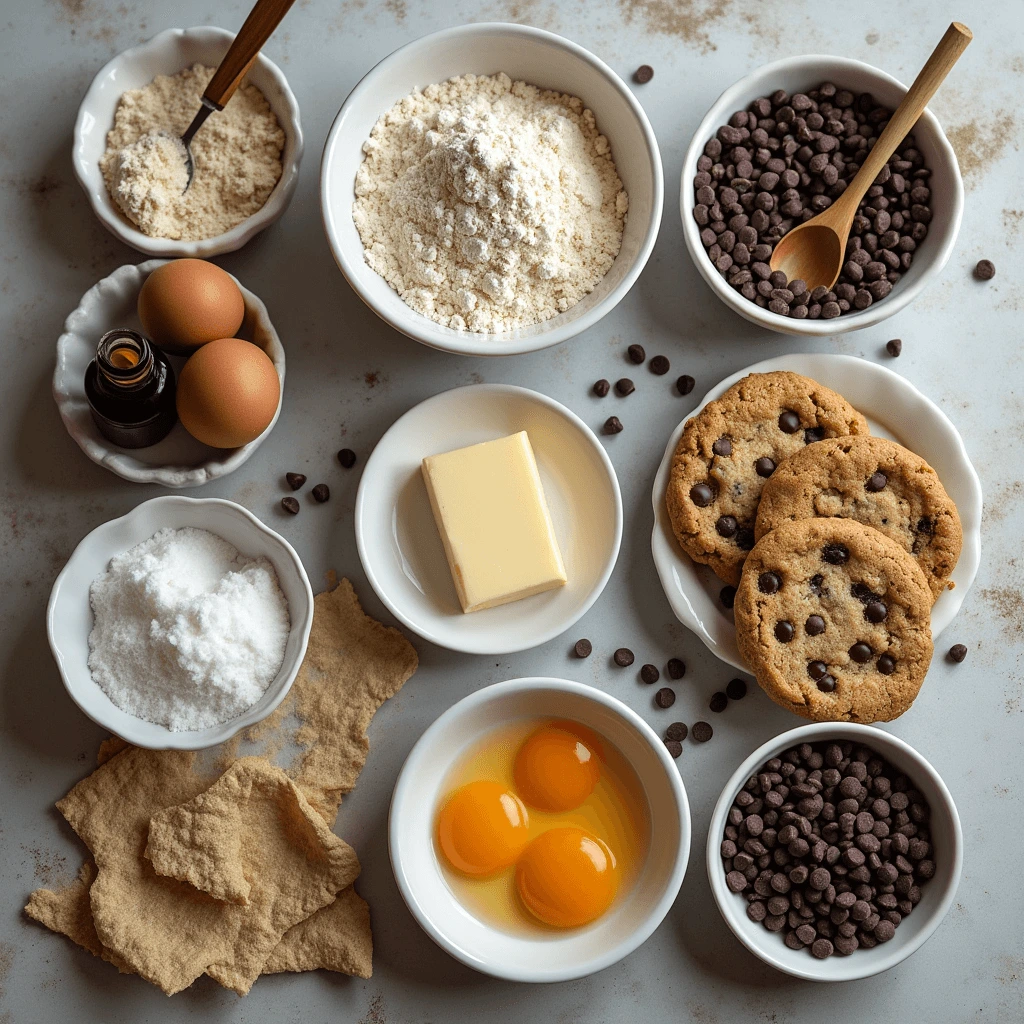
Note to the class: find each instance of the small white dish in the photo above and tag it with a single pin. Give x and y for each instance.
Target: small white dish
(936, 895)
(166, 54)
(401, 549)
(69, 616)
(528, 54)
(806, 72)
(895, 409)
(179, 460)
(552, 956)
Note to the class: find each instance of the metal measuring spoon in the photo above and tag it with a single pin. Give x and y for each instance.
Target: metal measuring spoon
(262, 21)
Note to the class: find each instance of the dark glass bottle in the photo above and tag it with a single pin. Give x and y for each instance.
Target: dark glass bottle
(130, 387)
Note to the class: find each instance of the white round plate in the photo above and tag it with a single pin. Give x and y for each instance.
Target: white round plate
(401, 549)
(895, 409)
(179, 460)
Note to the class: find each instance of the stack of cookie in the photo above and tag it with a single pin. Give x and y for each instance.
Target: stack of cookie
(837, 542)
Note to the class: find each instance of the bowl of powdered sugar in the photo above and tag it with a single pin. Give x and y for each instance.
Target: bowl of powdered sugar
(491, 189)
(181, 623)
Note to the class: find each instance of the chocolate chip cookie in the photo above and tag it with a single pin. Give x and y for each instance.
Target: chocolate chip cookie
(833, 619)
(880, 484)
(731, 447)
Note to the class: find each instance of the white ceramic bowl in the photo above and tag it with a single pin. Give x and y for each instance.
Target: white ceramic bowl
(69, 617)
(400, 546)
(553, 956)
(540, 58)
(801, 73)
(179, 460)
(894, 409)
(936, 895)
(167, 54)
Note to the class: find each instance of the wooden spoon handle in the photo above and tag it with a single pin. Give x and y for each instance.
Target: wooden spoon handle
(939, 64)
(262, 21)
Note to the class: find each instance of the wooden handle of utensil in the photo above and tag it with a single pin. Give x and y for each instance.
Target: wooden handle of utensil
(258, 27)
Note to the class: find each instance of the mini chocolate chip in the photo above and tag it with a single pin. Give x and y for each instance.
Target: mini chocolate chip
(623, 657)
(768, 583)
(925, 525)
(726, 526)
(602, 387)
(295, 480)
(674, 747)
(861, 652)
(321, 493)
(815, 625)
(723, 447)
(886, 665)
(685, 384)
(659, 365)
(727, 595)
(826, 684)
(736, 689)
(812, 434)
(347, 458)
(894, 347)
(636, 354)
(789, 422)
(290, 505)
(957, 653)
(613, 425)
(624, 386)
(665, 698)
(642, 76)
(835, 554)
(764, 466)
(676, 731)
(702, 495)
(784, 631)
(817, 669)
(875, 611)
(676, 668)
(701, 732)
(719, 702)
(584, 648)
(985, 270)
(650, 674)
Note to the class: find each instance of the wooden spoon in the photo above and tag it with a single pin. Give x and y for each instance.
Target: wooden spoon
(815, 250)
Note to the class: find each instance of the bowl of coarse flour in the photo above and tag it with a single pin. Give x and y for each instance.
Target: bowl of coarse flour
(181, 623)
(491, 189)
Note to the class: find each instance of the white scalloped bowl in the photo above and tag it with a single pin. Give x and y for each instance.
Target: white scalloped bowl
(895, 409)
(179, 460)
(69, 617)
(166, 54)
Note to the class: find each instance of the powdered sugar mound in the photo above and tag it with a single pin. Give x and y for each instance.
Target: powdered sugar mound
(187, 632)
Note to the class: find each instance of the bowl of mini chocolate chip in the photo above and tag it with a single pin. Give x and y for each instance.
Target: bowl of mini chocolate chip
(775, 150)
(834, 851)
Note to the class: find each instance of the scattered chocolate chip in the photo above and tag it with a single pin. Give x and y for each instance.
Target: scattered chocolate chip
(861, 652)
(723, 447)
(702, 732)
(623, 657)
(613, 425)
(636, 354)
(886, 665)
(736, 689)
(295, 480)
(727, 595)
(768, 583)
(957, 653)
(764, 466)
(676, 668)
(835, 554)
(665, 697)
(659, 365)
(702, 495)
(875, 611)
(290, 505)
(726, 526)
(815, 625)
(719, 702)
(642, 76)
(601, 388)
(676, 731)
(624, 386)
(784, 631)
(826, 684)
(321, 493)
(685, 384)
(650, 674)
(894, 347)
(674, 747)
(584, 648)
(985, 270)
(347, 458)
(876, 482)
(789, 422)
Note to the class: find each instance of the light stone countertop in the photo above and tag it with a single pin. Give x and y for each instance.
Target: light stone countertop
(350, 377)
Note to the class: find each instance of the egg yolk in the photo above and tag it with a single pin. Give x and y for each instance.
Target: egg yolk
(567, 877)
(557, 767)
(482, 828)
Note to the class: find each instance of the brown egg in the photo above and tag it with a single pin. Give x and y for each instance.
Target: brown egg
(187, 303)
(228, 392)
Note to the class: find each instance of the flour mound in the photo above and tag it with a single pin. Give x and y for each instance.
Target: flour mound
(487, 204)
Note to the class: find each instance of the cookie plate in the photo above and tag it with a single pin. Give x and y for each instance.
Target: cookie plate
(895, 409)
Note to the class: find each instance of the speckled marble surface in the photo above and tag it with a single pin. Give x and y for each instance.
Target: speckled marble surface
(349, 377)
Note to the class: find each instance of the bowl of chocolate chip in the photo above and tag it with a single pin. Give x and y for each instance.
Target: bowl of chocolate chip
(834, 851)
(775, 150)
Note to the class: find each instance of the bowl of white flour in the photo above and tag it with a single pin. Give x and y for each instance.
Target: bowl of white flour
(181, 623)
(491, 189)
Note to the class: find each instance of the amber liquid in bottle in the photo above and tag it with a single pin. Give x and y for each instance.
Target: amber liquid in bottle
(130, 387)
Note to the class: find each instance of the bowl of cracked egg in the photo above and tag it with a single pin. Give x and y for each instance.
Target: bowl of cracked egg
(491, 189)
(539, 830)
(128, 158)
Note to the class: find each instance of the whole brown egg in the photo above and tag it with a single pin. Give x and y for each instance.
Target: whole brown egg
(228, 393)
